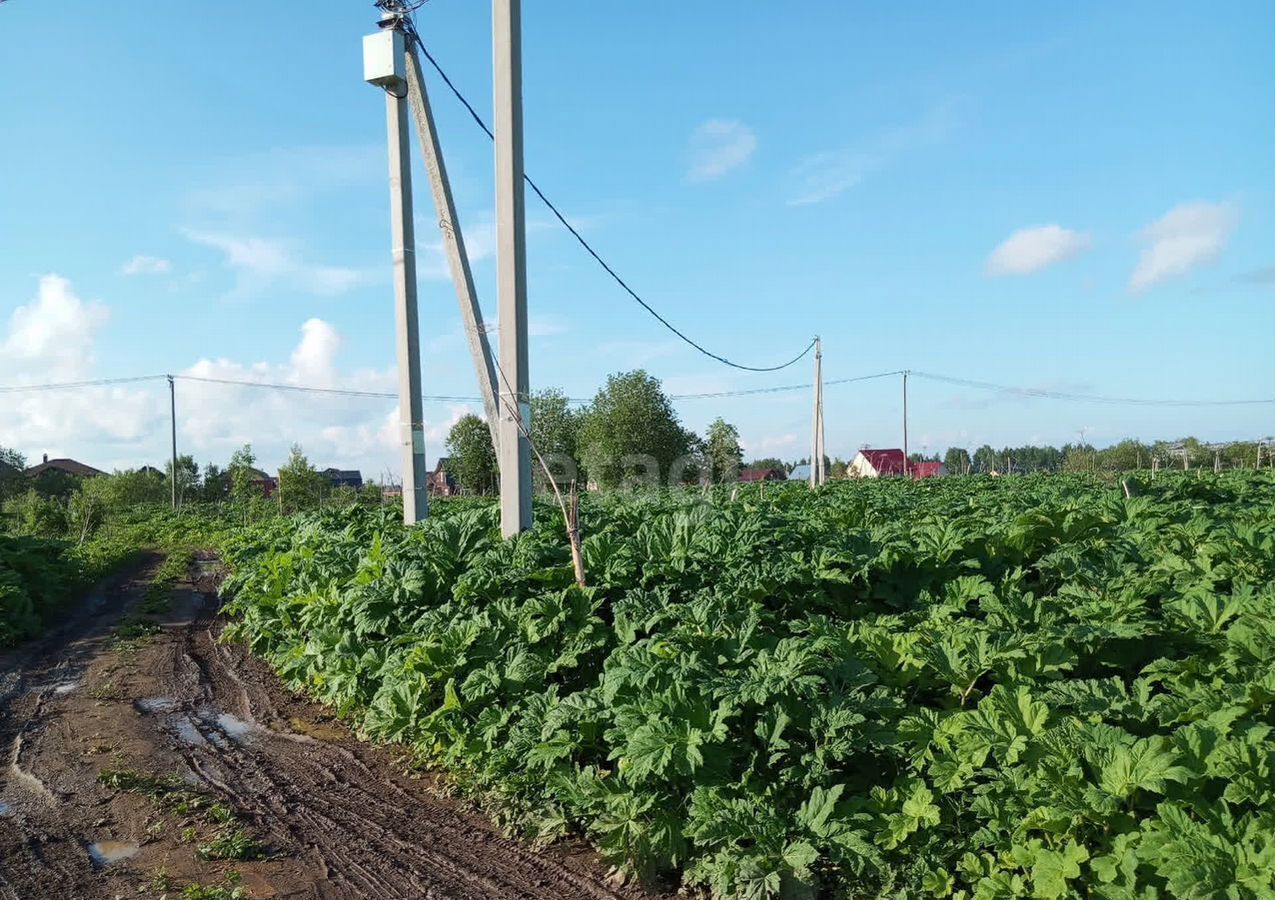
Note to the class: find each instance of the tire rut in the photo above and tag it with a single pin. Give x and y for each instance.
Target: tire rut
(339, 818)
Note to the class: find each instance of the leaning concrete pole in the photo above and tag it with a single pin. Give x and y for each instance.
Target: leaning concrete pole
(511, 271)
(384, 64)
(453, 243)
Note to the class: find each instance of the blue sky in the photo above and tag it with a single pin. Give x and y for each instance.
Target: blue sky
(1077, 198)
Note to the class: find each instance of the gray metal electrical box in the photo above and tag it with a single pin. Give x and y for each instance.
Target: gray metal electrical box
(383, 59)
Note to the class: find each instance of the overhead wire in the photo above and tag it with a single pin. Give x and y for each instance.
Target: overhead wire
(410, 31)
(97, 382)
(1047, 394)
(1025, 392)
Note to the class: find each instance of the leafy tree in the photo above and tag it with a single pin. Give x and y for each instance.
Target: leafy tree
(629, 427)
(957, 460)
(56, 483)
(187, 476)
(1125, 456)
(473, 459)
(838, 468)
(35, 514)
(555, 429)
(370, 494)
(771, 462)
(722, 452)
(300, 485)
(240, 471)
(985, 460)
(12, 465)
(216, 484)
(13, 458)
(127, 489)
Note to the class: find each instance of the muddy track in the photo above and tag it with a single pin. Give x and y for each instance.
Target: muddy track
(335, 817)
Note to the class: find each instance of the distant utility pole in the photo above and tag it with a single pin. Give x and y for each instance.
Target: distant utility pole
(905, 422)
(511, 271)
(817, 475)
(172, 420)
(384, 65)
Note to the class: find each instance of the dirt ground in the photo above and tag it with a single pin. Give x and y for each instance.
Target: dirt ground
(200, 742)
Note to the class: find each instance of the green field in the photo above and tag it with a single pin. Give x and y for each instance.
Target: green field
(969, 687)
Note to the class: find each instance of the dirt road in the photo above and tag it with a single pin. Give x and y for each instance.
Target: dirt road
(205, 755)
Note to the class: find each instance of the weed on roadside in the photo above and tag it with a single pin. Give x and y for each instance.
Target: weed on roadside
(231, 843)
(177, 798)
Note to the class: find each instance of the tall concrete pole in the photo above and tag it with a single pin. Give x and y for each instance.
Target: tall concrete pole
(453, 242)
(511, 270)
(906, 465)
(816, 429)
(384, 64)
(172, 419)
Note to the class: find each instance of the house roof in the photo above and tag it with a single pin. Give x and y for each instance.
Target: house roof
(442, 464)
(342, 473)
(800, 473)
(926, 469)
(886, 462)
(70, 466)
(761, 475)
(258, 475)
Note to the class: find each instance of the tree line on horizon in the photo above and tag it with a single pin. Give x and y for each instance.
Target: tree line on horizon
(629, 416)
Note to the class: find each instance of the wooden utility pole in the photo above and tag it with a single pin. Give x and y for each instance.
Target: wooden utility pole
(384, 64)
(511, 271)
(172, 420)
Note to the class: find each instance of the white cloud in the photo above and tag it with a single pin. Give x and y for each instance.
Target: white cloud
(821, 176)
(262, 262)
(53, 335)
(50, 340)
(719, 146)
(141, 264)
(1032, 249)
(1187, 236)
(769, 445)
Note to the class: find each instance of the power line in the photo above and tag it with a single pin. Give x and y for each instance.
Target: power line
(410, 30)
(98, 382)
(305, 389)
(1029, 393)
(1043, 393)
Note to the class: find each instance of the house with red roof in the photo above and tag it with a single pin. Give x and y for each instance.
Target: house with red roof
(879, 463)
(875, 464)
(930, 469)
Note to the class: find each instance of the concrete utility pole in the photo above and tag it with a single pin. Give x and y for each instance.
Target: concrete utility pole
(384, 65)
(816, 423)
(453, 243)
(511, 271)
(906, 466)
(172, 419)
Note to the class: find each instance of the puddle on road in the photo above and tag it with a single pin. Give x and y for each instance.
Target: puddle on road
(188, 732)
(156, 704)
(106, 852)
(235, 728)
(318, 731)
(65, 687)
